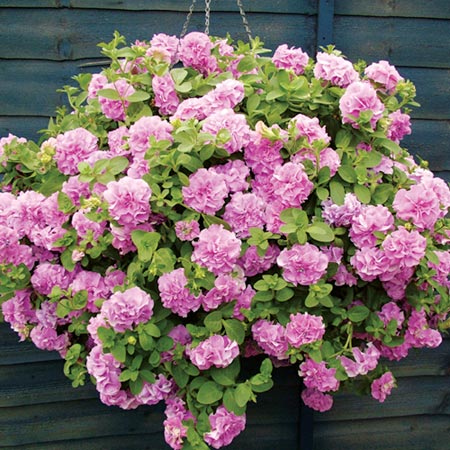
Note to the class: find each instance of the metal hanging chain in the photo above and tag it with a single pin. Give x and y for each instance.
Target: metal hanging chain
(188, 19)
(244, 19)
(207, 15)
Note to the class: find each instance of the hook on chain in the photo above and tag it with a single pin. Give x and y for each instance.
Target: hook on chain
(208, 16)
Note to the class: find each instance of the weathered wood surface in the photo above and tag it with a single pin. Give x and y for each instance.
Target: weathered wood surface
(39, 409)
(395, 433)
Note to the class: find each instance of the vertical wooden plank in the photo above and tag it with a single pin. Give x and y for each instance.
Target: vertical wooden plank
(325, 18)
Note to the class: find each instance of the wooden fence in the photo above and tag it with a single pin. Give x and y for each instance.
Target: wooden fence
(45, 42)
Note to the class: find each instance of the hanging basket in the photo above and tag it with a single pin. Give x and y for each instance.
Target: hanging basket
(201, 205)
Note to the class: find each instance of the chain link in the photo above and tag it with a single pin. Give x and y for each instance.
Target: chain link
(188, 19)
(244, 19)
(207, 15)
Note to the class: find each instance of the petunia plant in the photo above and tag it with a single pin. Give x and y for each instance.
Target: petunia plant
(199, 204)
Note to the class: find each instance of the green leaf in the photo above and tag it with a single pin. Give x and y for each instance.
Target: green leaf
(63, 308)
(213, 321)
(138, 96)
(347, 173)
(382, 193)
(180, 376)
(337, 192)
(252, 103)
(226, 376)
(358, 313)
(146, 243)
(246, 64)
(145, 341)
(65, 203)
(152, 330)
(311, 301)
(229, 402)
(118, 164)
(111, 94)
(136, 386)
(209, 393)
(235, 330)
(320, 231)
(119, 352)
(343, 138)
(263, 296)
(284, 294)
(242, 394)
(178, 75)
(362, 193)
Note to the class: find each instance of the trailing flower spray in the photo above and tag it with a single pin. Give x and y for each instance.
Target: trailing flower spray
(200, 204)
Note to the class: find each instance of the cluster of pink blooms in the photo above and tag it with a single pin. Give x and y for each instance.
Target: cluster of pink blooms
(247, 189)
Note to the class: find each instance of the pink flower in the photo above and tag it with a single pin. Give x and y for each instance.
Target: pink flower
(405, 248)
(206, 191)
(187, 230)
(217, 249)
(341, 215)
(290, 58)
(153, 393)
(382, 387)
(227, 94)
(310, 128)
(18, 312)
(106, 371)
(318, 375)
(128, 200)
(371, 219)
(399, 126)
(73, 147)
(218, 351)
(117, 141)
(384, 74)
(98, 81)
(291, 184)
(419, 334)
(363, 362)
(369, 263)
(116, 109)
(271, 337)
(253, 263)
(94, 284)
(335, 69)
(75, 189)
(174, 432)
(245, 211)
(262, 155)
(166, 44)
(227, 287)
(145, 128)
(235, 124)
(235, 173)
(83, 226)
(317, 400)
(419, 204)
(360, 97)
(225, 426)
(304, 328)
(303, 264)
(391, 311)
(123, 310)
(175, 294)
(442, 268)
(166, 98)
(46, 276)
(47, 338)
(195, 51)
